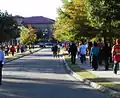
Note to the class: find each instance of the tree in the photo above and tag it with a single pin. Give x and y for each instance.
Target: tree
(71, 23)
(62, 27)
(39, 34)
(8, 27)
(27, 36)
(104, 15)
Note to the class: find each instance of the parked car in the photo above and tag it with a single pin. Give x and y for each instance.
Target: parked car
(42, 44)
(48, 45)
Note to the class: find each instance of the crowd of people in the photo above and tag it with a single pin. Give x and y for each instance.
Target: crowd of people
(11, 49)
(56, 50)
(98, 53)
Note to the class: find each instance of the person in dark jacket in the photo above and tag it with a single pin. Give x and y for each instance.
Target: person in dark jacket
(73, 52)
(106, 55)
(6, 51)
(100, 46)
(55, 49)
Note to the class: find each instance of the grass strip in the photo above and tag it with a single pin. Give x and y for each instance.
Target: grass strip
(82, 72)
(88, 75)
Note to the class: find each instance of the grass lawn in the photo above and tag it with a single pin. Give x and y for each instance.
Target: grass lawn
(88, 75)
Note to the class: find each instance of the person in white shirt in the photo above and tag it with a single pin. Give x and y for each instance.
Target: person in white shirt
(83, 50)
(1, 63)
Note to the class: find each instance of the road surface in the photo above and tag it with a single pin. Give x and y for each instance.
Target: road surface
(39, 75)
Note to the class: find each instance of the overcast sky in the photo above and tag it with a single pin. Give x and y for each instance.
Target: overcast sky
(28, 8)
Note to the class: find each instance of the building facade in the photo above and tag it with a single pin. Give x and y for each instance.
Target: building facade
(41, 24)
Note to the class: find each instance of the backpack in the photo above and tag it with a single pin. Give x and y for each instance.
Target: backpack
(117, 49)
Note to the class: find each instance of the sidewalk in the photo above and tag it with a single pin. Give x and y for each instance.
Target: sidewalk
(105, 81)
(101, 73)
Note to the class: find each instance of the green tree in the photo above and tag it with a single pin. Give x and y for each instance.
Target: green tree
(104, 15)
(8, 27)
(63, 27)
(71, 23)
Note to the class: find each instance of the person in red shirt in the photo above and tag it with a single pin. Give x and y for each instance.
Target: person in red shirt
(116, 55)
(12, 50)
(18, 48)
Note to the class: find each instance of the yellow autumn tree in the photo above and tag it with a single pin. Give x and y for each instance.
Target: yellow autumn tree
(27, 36)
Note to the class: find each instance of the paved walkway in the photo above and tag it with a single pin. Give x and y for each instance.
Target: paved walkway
(101, 73)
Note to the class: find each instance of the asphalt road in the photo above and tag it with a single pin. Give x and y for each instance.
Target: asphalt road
(39, 75)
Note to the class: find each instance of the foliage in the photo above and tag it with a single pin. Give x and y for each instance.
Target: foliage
(104, 15)
(87, 18)
(27, 36)
(71, 23)
(39, 34)
(8, 27)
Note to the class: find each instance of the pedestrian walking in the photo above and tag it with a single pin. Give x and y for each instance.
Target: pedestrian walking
(6, 50)
(58, 50)
(106, 55)
(83, 51)
(100, 46)
(73, 52)
(116, 55)
(1, 63)
(78, 50)
(90, 44)
(18, 48)
(55, 50)
(94, 53)
(22, 48)
(12, 50)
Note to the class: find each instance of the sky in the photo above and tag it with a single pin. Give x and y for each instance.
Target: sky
(27, 8)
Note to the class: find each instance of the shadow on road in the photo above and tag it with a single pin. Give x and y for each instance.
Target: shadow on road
(45, 88)
(39, 64)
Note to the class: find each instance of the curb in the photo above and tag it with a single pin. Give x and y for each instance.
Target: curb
(108, 91)
(22, 55)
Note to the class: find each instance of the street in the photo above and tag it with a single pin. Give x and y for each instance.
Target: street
(39, 75)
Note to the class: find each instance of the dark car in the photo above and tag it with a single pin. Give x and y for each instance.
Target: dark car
(49, 45)
(42, 44)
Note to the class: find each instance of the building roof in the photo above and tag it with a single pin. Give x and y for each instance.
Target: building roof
(17, 16)
(38, 20)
